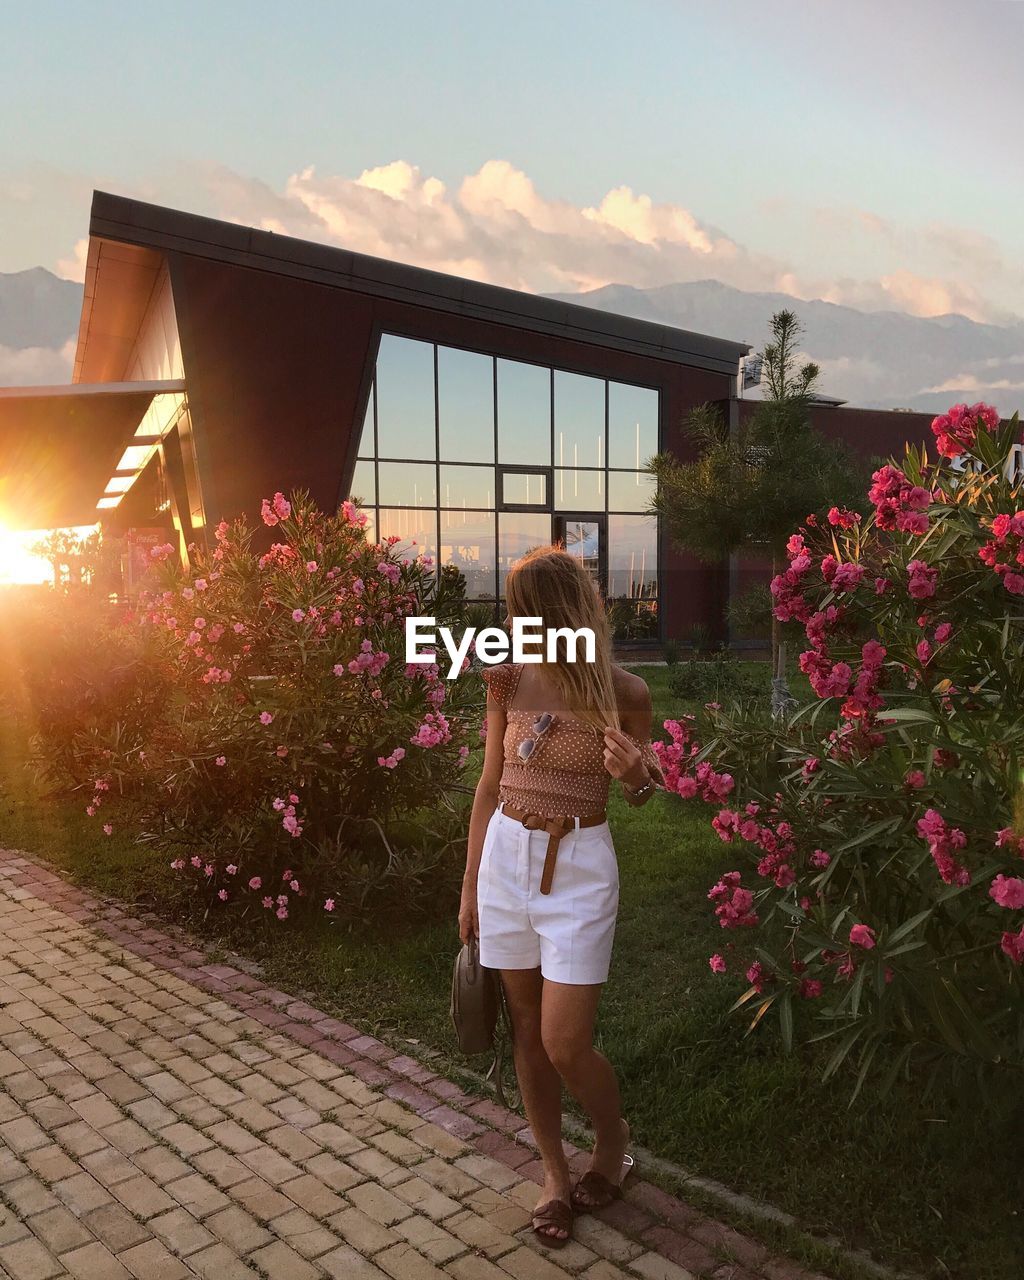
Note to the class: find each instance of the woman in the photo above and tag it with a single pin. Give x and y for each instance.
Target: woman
(541, 887)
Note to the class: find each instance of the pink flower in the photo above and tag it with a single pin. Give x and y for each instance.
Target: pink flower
(862, 935)
(820, 859)
(311, 566)
(811, 988)
(256, 883)
(1007, 891)
(266, 717)
(921, 580)
(733, 903)
(915, 779)
(1012, 945)
(297, 615)
(222, 894)
(942, 632)
(717, 964)
(108, 830)
(329, 904)
(221, 761)
(268, 902)
(231, 869)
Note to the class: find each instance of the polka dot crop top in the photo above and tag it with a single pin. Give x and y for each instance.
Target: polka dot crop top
(565, 773)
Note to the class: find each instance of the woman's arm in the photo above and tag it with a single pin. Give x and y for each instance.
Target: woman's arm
(485, 801)
(622, 757)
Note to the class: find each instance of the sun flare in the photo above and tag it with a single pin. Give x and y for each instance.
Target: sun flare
(18, 565)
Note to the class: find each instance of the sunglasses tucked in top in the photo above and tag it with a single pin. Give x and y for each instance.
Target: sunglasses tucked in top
(568, 776)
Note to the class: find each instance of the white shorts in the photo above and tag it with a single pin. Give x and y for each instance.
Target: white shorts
(568, 932)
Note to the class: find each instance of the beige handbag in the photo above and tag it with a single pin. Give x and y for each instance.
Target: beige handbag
(478, 1003)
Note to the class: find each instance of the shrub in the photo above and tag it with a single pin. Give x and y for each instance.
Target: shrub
(878, 820)
(718, 677)
(299, 762)
(85, 678)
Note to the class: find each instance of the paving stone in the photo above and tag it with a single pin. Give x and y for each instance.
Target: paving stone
(362, 1232)
(344, 1263)
(59, 1230)
(218, 1262)
(278, 1261)
(180, 1232)
(652, 1266)
(94, 1262)
(141, 1196)
(403, 1263)
(29, 1259)
(151, 1261)
(238, 1229)
(380, 1204)
(115, 1227)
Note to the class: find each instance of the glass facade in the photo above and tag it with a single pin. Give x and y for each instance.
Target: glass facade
(474, 459)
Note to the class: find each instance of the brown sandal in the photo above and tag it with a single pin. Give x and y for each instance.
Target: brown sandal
(553, 1213)
(599, 1190)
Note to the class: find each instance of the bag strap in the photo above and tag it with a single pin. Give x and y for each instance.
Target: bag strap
(494, 1074)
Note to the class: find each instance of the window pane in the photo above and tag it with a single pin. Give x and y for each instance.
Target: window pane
(583, 540)
(465, 404)
(524, 488)
(467, 541)
(467, 487)
(632, 425)
(367, 447)
(416, 531)
(519, 532)
(524, 413)
(370, 528)
(407, 484)
(405, 398)
(630, 490)
(362, 486)
(632, 557)
(579, 490)
(579, 420)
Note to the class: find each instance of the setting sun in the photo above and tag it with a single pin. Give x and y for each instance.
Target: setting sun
(18, 566)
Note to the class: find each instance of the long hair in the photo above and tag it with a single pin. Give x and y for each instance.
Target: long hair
(552, 585)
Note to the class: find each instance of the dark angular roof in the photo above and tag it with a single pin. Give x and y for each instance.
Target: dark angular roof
(151, 226)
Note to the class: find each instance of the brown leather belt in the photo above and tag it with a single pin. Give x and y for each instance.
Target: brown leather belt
(556, 829)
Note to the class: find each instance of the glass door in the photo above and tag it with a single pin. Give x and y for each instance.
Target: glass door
(583, 536)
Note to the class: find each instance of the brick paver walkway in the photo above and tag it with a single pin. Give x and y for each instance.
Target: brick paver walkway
(163, 1117)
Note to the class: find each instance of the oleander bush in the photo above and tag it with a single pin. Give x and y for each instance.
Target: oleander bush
(295, 763)
(878, 895)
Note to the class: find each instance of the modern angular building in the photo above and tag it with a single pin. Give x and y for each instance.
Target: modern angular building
(217, 364)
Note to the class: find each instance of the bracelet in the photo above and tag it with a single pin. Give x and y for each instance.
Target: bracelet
(638, 792)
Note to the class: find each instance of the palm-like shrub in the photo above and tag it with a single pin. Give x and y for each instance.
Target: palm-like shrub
(298, 762)
(880, 870)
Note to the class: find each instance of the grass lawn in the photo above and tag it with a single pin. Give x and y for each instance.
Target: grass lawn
(927, 1183)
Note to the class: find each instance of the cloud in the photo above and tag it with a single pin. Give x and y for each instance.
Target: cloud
(36, 366)
(495, 226)
(73, 266)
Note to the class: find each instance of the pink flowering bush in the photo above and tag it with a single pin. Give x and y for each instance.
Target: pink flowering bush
(297, 763)
(877, 899)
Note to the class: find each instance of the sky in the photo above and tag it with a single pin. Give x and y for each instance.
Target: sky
(863, 153)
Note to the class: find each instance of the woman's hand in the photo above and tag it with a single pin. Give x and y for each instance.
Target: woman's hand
(469, 922)
(622, 758)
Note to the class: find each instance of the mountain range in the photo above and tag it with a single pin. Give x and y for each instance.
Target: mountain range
(877, 359)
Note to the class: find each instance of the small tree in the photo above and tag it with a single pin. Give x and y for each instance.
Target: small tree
(748, 488)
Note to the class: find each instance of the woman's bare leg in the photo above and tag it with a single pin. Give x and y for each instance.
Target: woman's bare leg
(567, 1034)
(539, 1082)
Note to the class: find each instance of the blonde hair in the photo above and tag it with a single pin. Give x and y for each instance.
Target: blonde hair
(550, 584)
